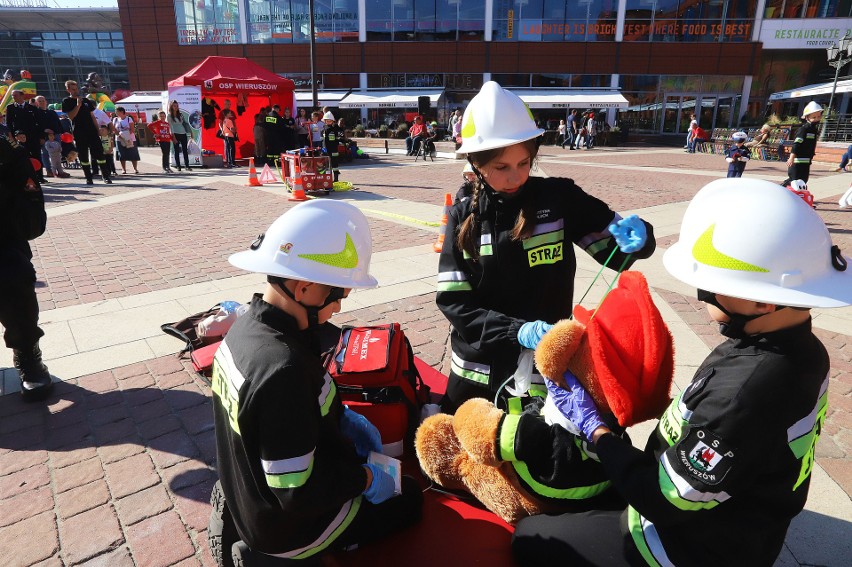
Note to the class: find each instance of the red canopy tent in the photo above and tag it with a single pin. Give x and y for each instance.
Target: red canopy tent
(247, 86)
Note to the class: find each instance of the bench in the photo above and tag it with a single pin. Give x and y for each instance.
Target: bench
(397, 145)
(776, 148)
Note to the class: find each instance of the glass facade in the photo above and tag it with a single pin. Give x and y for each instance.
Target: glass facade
(288, 21)
(776, 9)
(425, 20)
(554, 20)
(689, 20)
(207, 22)
(54, 57)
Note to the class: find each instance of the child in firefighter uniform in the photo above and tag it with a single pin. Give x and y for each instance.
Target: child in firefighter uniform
(507, 274)
(737, 155)
(291, 457)
(730, 462)
(804, 145)
(332, 134)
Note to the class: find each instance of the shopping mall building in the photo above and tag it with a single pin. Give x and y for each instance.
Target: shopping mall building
(665, 57)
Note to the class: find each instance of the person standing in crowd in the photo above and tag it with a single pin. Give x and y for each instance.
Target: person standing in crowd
(22, 116)
(288, 133)
(570, 130)
(415, 134)
(331, 136)
(53, 147)
(303, 122)
(163, 136)
(259, 138)
(273, 129)
(228, 127)
(47, 120)
(561, 132)
(181, 131)
(516, 232)
(86, 137)
(209, 108)
(733, 454)
(804, 145)
(693, 123)
(125, 135)
(22, 218)
(302, 487)
(316, 128)
(591, 130)
(737, 155)
(697, 136)
(108, 146)
(456, 117)
(456, 132)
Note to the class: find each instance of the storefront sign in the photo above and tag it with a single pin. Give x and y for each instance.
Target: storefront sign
(207, 35)
(811, 33)
(189, 102)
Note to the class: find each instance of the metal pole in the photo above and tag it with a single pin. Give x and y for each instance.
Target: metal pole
(315, 98)
(830, 101)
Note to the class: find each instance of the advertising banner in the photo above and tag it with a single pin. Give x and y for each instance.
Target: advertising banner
(189, 102)
(812, 33)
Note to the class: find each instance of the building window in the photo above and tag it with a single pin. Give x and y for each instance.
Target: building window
(206, 22)
(689, 21)
(289, 21)
(425, 20)
(554, 20)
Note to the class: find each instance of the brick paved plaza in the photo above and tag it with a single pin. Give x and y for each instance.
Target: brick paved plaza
(115, 469)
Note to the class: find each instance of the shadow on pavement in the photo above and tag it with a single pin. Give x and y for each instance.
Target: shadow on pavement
(173, 426)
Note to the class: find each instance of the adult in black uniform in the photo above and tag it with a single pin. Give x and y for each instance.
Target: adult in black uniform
(804, 145)
(507, 273)
(23, 116)
(79, 110)
(730, 462)
(290, 456)
(273, 129)
(22, 218)
(288, 133)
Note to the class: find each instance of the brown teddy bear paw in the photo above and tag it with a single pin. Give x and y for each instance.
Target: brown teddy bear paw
(439, 451)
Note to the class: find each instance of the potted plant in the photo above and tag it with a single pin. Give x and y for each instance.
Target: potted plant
(358, 131)
(383, 131)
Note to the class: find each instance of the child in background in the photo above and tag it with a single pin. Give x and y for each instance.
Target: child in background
(316, 126)
(54, 150)
(737, 155)
(108, 146)
(331, 136)
(466, 189)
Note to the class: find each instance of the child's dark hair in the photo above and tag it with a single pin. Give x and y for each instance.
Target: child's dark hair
(468, 233)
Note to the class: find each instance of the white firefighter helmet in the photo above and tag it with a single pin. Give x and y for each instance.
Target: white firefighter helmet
(496, 118)
(328, 116)
(755, 240)
(811, 107)
(739, 137)
(319, 241)
(468, 168)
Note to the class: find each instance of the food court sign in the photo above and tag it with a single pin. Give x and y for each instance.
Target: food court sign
(803, 34)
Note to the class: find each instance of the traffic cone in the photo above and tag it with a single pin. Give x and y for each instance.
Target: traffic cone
(442, 231)
(266, 176)
(298, 190)
(253, 180)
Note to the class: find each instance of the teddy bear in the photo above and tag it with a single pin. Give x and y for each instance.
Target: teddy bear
(530, 459)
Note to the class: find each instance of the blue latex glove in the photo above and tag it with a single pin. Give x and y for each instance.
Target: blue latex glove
(530, 334)
(577, 405)
(363, 434)
(382, 486)
(630, 234)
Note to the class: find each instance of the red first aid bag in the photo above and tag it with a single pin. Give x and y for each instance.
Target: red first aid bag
(374, 370)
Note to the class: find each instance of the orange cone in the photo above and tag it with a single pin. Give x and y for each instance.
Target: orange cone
(266, 175)
(298, 190)
(253, 180)
(442, 232)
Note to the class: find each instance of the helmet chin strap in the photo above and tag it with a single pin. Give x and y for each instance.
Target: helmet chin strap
(734, 328)
(312, 311)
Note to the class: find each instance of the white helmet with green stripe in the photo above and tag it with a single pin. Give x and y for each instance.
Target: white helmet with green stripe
(756, 240)
(319, 241)
(496, 118)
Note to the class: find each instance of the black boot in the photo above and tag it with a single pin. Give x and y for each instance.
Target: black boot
(87, 171)
(36, 383)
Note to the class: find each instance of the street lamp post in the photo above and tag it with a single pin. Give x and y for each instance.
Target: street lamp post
(839, 55)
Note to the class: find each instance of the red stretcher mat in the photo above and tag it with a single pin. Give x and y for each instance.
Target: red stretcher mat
(452, 532)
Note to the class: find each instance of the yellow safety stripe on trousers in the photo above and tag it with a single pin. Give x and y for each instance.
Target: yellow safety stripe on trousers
(575, 493)
(508, 431)
(289, 473)
(473, 371)
(646, 542)
(340, 522)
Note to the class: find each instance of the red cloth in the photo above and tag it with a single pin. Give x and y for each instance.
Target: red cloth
(161, 130)
(698, 132)
(631, 349)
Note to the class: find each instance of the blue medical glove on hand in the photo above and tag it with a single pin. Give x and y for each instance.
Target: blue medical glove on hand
(382, 486)
(530, 334)
(630, 234)
(363, 434)
(577, 405)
